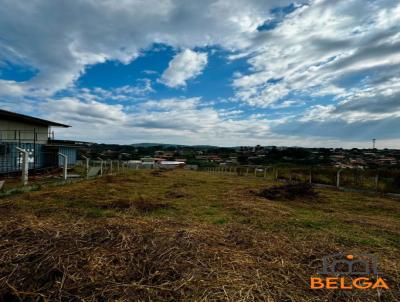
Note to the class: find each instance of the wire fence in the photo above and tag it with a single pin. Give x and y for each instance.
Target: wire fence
(364, 180)
(33, 141)
(385, 181)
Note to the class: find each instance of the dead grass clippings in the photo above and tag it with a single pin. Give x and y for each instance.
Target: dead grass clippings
(289, 192)
(146, 206)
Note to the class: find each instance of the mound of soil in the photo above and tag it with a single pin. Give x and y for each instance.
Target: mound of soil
(289, 192)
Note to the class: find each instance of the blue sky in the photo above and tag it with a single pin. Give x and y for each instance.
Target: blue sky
(293, 73)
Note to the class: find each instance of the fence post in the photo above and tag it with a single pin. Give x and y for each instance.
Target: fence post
(65, 167)
(265, 172)
(25, 165)
(87, 165)
(310, 178)
(338, 178)
(276, 174)
(101, 165)
(377, 182)
(111, 166)
(247, 171)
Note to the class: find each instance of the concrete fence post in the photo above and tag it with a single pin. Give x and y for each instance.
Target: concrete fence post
(25, 166)
(65, 167)
(265, 173)
(377, 182)
(247, 171)
(338, 178)
(111, 166)
(87, 165)
(276, 174)
(101, 165)
(255, 172)
(310, 177)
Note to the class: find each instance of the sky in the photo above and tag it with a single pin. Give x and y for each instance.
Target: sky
(310, 73)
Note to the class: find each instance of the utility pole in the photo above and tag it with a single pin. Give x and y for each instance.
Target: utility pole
(374, 143)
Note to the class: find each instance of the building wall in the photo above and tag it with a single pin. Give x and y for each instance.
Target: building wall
(11, 159)
(70, 152)
(15, 131)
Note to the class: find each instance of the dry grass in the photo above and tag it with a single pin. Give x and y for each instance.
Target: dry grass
(192, 236)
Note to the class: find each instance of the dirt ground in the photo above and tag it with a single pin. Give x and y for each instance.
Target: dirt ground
(189, 236)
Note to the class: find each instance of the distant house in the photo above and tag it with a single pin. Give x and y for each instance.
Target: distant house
(167, 164)
(34, 135)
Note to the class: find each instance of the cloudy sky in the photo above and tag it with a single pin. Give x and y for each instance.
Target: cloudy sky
(221, 72)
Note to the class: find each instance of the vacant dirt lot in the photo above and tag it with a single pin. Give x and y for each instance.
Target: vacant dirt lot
(192, 236)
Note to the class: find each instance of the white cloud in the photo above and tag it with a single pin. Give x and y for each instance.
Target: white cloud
(344, 52)
(186, 65)
(88, 112)
(317, 46)
(60, 41)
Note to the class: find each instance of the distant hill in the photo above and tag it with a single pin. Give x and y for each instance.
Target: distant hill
(146, 145)
(155, 144)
